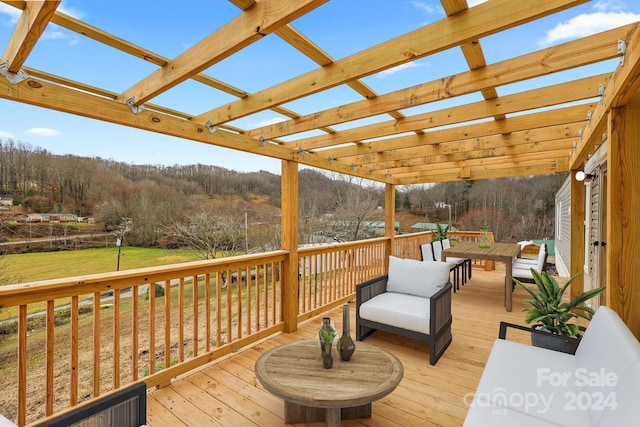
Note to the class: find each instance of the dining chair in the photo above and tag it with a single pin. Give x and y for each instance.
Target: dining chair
(453, 264)
(446, 244)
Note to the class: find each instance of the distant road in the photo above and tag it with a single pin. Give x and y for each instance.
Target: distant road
(57, 239)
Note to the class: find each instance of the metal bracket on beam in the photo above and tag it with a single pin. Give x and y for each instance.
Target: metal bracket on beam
(210, 126)
(589, 113)
(622, 49)
(601, 92)
(136, 109)
(300, 151)
(14, 78)
(330, 159)
(263, 140)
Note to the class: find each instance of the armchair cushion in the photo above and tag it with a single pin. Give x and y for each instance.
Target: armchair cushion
(399, 310)
(419, 278)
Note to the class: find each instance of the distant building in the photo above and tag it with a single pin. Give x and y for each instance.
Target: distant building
(429, 226)
(51, 217)
(6, 201)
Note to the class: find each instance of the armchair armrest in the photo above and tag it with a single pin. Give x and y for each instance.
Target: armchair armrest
(440, 310)
(369, 289)
(502, 334)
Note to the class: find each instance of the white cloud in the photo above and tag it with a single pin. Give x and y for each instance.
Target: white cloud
(71, 12)
(429, 8)
(46, 132)
(11, 11)
(4, 134)
(608, 14)
(397, 69)
(268, 122)
(472, 3)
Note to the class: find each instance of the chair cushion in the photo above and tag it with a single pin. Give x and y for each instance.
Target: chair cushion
(399, 310)
(419, 278)
(521, 272)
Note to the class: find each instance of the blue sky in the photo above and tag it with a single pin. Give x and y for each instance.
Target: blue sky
(340, 28)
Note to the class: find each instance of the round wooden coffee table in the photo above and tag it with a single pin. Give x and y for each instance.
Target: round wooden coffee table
(311, 393)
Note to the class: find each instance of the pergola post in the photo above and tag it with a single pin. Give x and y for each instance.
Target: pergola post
(623, 221)
(389, 221)
(576, 261)
(289, 242)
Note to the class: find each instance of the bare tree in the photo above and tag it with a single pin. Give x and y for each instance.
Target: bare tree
(355, 205)
(208, 233)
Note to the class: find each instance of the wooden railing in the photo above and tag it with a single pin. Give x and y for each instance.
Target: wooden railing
(329, 274)
(104, 331)
(152, 324)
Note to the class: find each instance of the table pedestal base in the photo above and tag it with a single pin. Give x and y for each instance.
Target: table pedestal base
(294, 414)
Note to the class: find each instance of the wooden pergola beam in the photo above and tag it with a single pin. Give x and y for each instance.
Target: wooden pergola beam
(508, 160)
(488, 18)
(462, 173)
(595, 48)
(558, 117)
(49, 95)
(534, 139)
(625, 81)
(441, 161)
(32, 23)
(576, 90)
(253, 24)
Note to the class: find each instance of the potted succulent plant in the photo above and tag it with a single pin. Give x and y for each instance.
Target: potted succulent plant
(549, 314)
(442, 232)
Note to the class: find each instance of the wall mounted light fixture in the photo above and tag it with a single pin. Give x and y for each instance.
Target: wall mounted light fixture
(581, 176)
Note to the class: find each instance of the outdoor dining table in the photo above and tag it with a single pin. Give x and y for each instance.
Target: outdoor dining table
(501, 252)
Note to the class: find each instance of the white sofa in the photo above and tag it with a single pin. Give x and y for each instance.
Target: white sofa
(599, 386)
(413, 300)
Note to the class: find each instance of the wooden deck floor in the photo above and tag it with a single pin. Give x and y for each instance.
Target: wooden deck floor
(227, 393)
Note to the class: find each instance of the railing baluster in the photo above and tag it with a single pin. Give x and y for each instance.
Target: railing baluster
(74, 349)
(49, 357)
(96, 344)
(135, 344)
(207, 308)
(167, 325)
(239, 303)
(152, 328)
(218, 309)
(195, 315)
(229, 302)
(116, 339)
(22, 365)
(249, 305)
(181, 320)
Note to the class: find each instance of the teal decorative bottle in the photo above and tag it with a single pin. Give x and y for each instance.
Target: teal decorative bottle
(326, 334)
(346, 346)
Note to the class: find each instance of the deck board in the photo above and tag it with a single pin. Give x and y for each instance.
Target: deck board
(227, 392)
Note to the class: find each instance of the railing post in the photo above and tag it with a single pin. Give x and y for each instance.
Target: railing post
(389, 222)
(289, 242)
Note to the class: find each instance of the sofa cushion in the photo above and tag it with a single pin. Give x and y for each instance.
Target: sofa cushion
(419, 278)
(399, 310)
(607, 347)
(533, 381)
(620, 406)
(488, 415)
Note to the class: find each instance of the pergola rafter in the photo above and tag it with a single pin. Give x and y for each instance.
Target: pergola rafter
(388, 151)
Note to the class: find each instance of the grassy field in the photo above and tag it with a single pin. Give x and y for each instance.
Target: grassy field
(21, 268)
